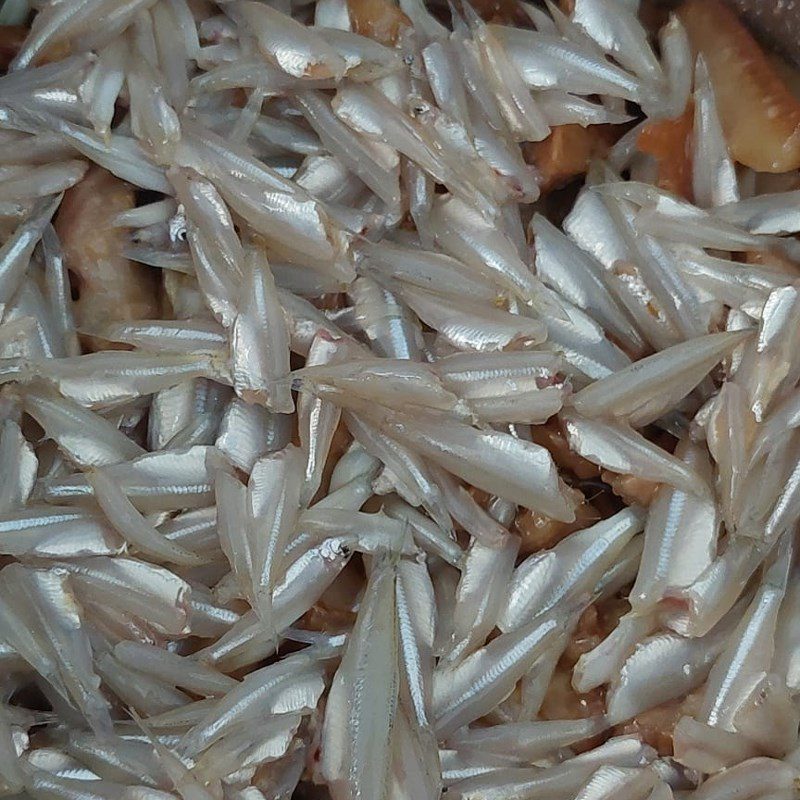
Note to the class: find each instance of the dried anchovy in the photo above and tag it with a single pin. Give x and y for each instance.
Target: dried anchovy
(397, 404)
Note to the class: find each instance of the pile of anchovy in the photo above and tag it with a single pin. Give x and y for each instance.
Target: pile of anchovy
(397, 401)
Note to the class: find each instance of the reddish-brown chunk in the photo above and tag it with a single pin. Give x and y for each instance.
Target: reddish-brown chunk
(381, 20)
(539, 532)
(567, 152)
(669, 142)
(109, 286)
(760, 116)
(656, 726)
(630, 488)
(552, 437)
